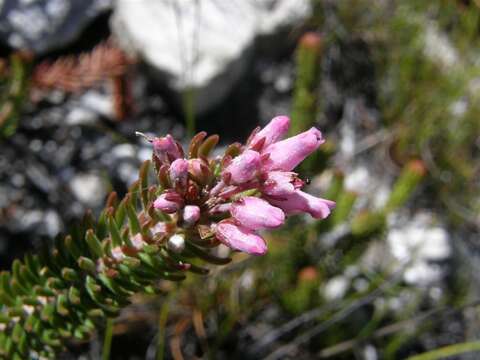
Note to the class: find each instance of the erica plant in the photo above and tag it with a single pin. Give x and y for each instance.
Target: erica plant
(158, 231)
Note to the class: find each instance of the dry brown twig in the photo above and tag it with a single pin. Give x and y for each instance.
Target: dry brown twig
(76, 73)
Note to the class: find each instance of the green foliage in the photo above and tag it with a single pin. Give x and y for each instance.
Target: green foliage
(408, 180)
(70, 290)
(427, 70)
(304, 103)
(428, 75)
(14, 85)
(449, 351)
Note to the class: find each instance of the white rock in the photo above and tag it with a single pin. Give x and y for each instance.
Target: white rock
(439, 48)
(374, 188)
(360, 285)
(128, 172)
(53, 223)
(351, 271)
(31, 218)
(419, 243)
(205, 45)
(247, 280)
(348, 140)
(44, 25)
(124, 151)
(86, 109)
(459, 108)
(419, 239)
(81, 116)
(358, 180)
(145, 153)
(422, 273)
(336, 288)
(370, 352)
(98, 102)
(90, 189)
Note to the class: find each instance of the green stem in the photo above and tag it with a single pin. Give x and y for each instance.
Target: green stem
(189, 110)
(162, 323)
(107, 341)
(448, 351)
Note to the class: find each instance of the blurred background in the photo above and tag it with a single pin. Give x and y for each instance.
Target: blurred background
(393, 85)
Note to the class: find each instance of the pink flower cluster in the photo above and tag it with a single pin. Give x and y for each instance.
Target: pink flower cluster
(251, 188)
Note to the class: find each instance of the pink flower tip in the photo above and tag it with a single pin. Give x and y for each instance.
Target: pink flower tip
(199, 170)
(178, 172)
(275, 130)
(285, 155)
(168, 202)
(166, 148)
(243, 168)
(300, 201)
(240, 238)
(255, 214)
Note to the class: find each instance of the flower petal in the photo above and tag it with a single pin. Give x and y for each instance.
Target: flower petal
(240, 238)
(256, 214)
(281, 183)
(287, 154)
(243, 168)
(169, 202)
(276, 129)
(300, 201)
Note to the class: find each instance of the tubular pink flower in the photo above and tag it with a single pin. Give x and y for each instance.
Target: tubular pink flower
(240, 238)
(287, 154)
(168, 202)
(275, 130)
(281, 183)
(166, 149)
(243, 168)
(178, 172)
(191, 214)
(300, 201)
(204, 192)
(255, 214)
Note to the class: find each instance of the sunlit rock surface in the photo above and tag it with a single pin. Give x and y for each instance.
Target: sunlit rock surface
(44, 25)
(204, 45)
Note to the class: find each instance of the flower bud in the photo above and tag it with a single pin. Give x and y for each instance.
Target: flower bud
(240, 238)
(276, 129)
(176, 243)
(256, 214)
(243, 168)
(191, 214)
(287, 154)
(168, 202)
(199, 170)
(178, 172)
(166, 149)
